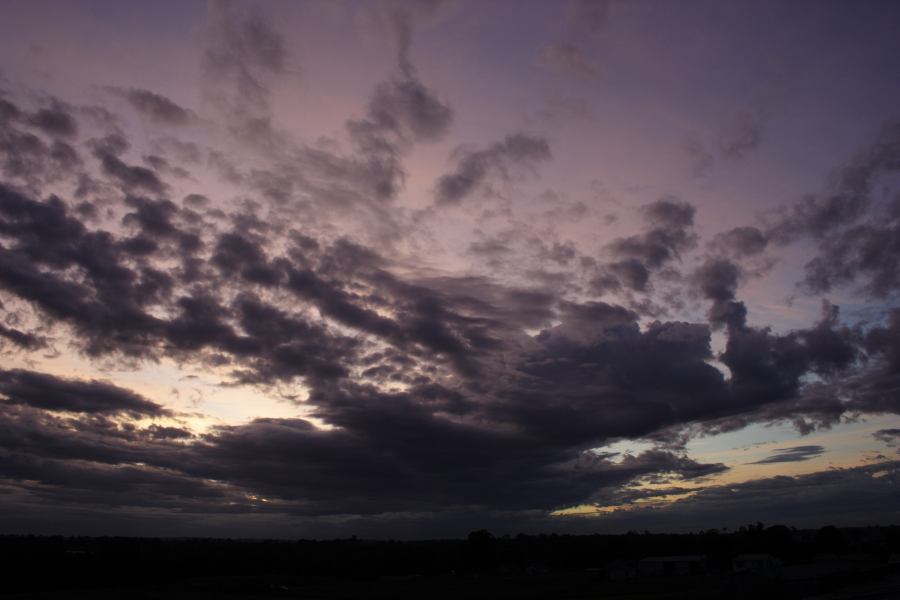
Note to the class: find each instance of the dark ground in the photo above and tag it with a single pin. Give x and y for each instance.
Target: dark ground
(828, 563)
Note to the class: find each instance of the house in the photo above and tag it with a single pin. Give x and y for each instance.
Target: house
(672, 566)
(760, 564)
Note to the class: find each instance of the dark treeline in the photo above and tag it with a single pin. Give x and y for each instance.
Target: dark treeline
(106, 562)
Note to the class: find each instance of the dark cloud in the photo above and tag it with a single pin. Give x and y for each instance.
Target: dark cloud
(94, 461)
(883, 340)
(830, 347)
(851, 190)
(235, 254)
(443, 442)
(597, 364)
(130, 177)
(887, 434)
(380, 438)
(853, 225)
(409, 108)
(891, 437)
(245, 56)
(399, 112)
(636, 258)
(9, 111)
(658, 464)
(741, 242)
(475, 167)
(855, 496)
(868, 253)
(427, 332)
(29, 160)
(52, 393)
(157, 107)
(717, 280)
(765, 368)
(607, 377)
(440, 394)
(767, 371)
(55, 121)
(22, 339)
(793, 454)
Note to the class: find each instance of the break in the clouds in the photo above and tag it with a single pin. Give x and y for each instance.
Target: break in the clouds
(298, 288)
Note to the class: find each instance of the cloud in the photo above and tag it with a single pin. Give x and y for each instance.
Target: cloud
(131, 177)
(793, 454)
(891, 437)
(156, 107)
(28, 159)
(475, 167)
(244, 52)
(52, 393)
(737, 136)
(431, 396)
(28, 341)
(567, 59)
(717, 280)
(590, 15)
(405, 367)
(608, 379)
(636, 258)
(887, 434)
(409, 108)
(55, 120)
(428, 334)
(243, 41)
(402, 17)
(853, 496)
(741, 242)
(129, 466)
(742, 134)
(855, 230)
(849, 196)
(399, 112)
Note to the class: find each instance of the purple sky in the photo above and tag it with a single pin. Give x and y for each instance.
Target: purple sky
(410, 269)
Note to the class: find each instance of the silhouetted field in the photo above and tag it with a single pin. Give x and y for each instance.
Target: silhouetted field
(842, 563)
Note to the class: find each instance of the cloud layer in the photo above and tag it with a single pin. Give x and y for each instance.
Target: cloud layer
(425, 395)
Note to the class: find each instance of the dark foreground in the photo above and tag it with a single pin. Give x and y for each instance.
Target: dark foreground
(754, 562)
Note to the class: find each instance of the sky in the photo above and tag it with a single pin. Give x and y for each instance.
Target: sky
(408, 269)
